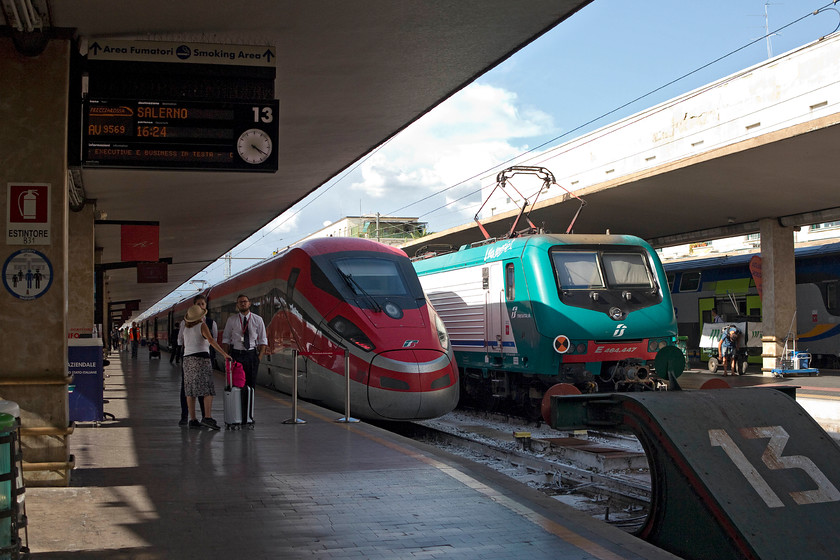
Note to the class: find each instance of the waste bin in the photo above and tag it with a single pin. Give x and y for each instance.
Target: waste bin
(12, 408)
(9, 541)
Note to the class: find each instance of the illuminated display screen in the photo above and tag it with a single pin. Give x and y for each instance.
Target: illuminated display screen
(180, 135)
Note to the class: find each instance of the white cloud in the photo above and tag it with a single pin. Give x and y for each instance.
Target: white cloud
(465, 136)
(468, 134)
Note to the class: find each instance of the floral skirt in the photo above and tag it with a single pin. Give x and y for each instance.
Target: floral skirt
(198, 376)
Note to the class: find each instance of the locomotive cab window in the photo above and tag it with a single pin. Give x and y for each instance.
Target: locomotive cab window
(509, 286)
(626, 270)
(605, 278)
(588, 270)
(577, 270)
(373, 277)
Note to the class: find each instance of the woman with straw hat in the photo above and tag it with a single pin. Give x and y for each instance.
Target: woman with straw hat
(198, 370)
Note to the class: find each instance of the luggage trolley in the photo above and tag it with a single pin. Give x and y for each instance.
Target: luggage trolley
(793, 363)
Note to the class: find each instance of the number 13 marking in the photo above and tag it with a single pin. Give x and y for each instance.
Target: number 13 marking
(263, 114)
(772, 458)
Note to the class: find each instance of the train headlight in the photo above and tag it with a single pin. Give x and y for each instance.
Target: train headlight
(393, 310)
(656, 344)
(347, 330)
(443, 336)
(616, 313)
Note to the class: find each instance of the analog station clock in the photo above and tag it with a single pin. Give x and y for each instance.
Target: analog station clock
(254, 146)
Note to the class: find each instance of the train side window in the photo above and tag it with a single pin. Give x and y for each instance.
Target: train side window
(290, 285)
(831, 296)
(671, 278)
(690, 282)
(509, 286)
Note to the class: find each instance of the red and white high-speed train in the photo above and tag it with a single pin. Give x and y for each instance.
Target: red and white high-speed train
(328, 294)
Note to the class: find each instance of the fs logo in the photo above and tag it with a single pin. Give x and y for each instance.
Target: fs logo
(410, 343)
(619, 330)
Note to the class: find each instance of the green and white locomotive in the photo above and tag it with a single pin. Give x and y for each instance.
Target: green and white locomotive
(531, 311)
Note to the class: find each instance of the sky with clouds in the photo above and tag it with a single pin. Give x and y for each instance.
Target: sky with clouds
(610, 60)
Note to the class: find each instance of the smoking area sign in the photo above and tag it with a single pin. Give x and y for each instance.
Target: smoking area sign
(28, 214)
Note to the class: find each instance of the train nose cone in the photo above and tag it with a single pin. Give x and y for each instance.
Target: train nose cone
(412, 384)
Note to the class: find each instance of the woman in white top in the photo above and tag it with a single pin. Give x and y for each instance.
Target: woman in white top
(198, 371)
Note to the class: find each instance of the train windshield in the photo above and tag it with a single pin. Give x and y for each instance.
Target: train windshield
(372, 277)
(626, 270)
(586, 270)
(578, 270)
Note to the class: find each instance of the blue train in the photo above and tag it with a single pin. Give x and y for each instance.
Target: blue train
(725, 282)
(532, 311)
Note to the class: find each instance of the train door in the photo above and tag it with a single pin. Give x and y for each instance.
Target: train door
(704, 310)
(495, 318)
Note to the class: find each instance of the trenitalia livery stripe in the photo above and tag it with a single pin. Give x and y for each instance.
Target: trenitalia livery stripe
(820, 332)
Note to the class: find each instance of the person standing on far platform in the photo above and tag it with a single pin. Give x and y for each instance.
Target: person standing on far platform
(246, 340)
(715, 317)
(134, 334)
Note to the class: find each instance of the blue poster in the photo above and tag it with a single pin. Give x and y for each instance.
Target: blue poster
(84, 363)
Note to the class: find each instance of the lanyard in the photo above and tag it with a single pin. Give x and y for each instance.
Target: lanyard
(244, 322)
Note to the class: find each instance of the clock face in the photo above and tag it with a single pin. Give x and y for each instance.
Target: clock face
(254, 146)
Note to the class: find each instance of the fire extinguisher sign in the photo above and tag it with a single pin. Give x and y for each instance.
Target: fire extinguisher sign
(28, 214)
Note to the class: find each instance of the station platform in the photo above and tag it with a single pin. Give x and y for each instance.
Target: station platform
(145, 488)
(819, 395)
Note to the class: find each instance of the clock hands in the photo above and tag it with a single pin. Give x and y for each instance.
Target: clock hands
(254, 146)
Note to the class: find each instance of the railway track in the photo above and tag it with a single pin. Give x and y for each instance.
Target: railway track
(602, 474)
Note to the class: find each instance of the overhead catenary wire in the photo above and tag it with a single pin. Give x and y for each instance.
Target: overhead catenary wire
(611, 112)
(489, 171)
(546, 155)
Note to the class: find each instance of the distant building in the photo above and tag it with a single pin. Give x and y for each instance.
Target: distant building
(827, 232)
(390, 230)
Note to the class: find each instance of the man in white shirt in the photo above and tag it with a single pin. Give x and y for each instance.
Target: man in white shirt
(245, 339)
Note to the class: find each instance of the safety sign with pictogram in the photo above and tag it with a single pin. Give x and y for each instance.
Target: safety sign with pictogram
(27, 274)
(562, 344)
(28, 214)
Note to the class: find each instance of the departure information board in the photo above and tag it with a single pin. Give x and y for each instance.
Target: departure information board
(180, 135)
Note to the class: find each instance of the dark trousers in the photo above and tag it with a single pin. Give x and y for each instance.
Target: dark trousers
(250, 362)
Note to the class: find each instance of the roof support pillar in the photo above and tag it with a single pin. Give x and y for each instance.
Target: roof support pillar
(33, 312)
(779, 291)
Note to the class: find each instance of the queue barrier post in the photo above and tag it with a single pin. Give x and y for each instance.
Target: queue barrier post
(347, 418)
(294, 419)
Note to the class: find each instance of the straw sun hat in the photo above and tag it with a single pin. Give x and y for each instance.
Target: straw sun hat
(195, 314)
